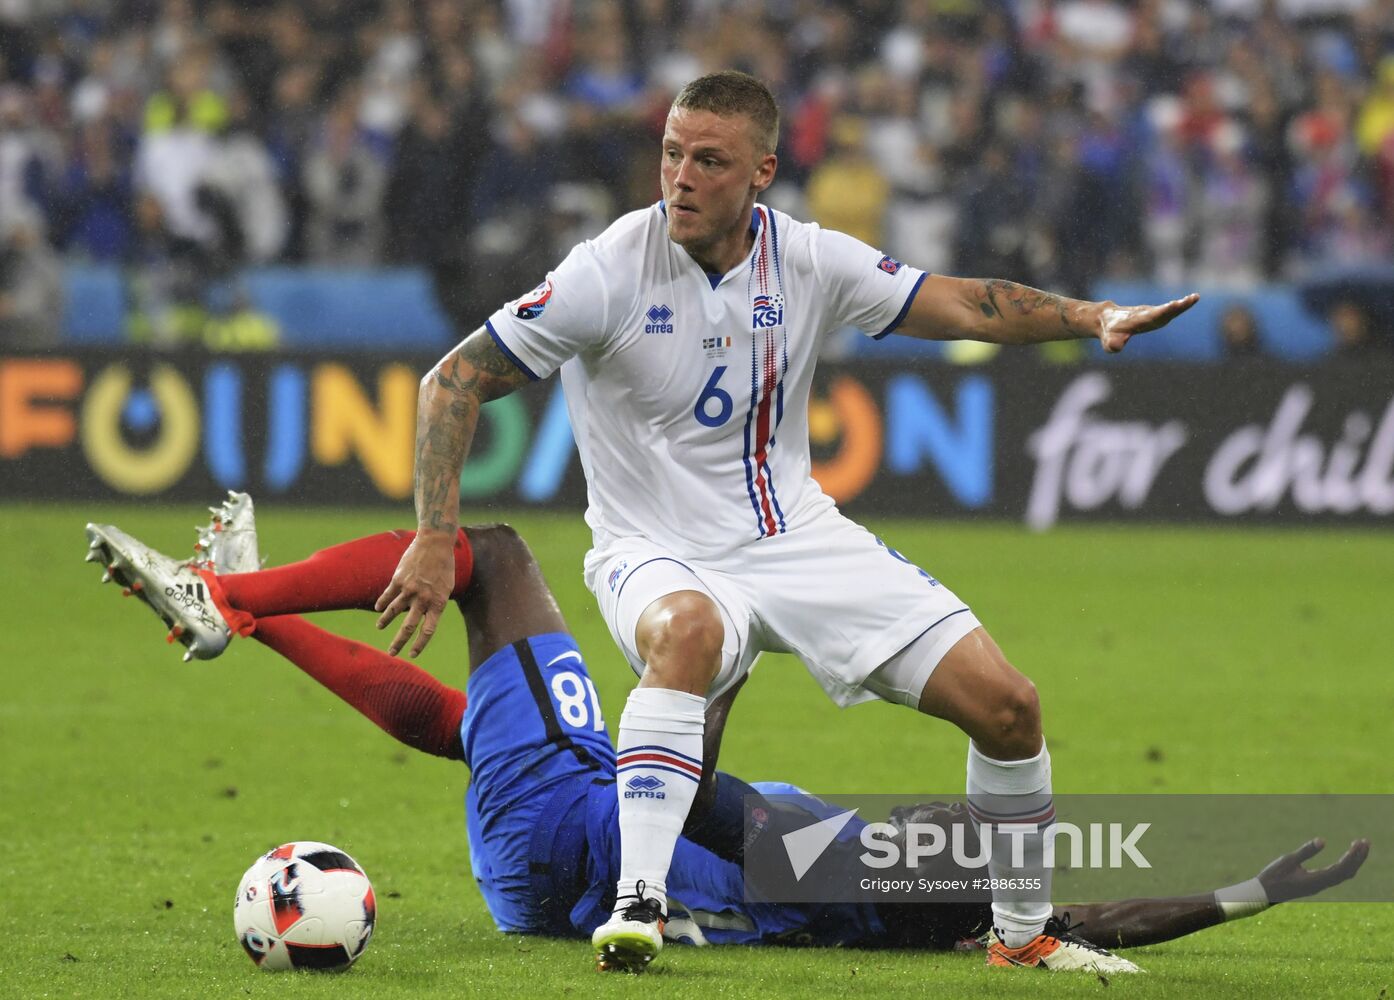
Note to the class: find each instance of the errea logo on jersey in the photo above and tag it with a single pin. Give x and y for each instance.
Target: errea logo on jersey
(659, 317)
(530, 306)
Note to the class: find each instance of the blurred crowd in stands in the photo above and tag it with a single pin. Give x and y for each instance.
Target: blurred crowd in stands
(1056, 142)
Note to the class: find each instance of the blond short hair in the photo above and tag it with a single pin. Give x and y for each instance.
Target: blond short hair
(729, 93)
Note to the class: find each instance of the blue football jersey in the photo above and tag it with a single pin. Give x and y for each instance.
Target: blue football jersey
(712, 890)
(535, 741)
(542, 815)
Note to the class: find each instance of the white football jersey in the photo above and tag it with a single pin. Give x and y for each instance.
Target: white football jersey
(688, 399)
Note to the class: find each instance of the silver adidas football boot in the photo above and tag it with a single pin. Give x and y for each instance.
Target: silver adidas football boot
(228, 543)
(172, 589)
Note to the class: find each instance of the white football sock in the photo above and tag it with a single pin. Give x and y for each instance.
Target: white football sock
(659, 762)
(1003, 792)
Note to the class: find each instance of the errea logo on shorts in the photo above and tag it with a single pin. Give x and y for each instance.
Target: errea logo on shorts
(659, 317)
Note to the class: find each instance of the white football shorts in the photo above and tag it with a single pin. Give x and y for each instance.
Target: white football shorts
(830, 592)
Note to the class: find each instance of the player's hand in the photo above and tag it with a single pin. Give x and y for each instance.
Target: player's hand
(1285, 879)
(421, 587)
(1118, 324)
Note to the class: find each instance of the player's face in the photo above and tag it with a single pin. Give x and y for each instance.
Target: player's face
(712, 170)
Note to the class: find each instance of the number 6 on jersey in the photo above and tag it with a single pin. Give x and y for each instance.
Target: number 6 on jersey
(713, 392)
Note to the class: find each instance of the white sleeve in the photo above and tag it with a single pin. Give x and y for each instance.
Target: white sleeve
(557, 320)
(865, 288)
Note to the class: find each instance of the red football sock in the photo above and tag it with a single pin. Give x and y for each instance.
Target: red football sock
(400, 698)
(351, 575)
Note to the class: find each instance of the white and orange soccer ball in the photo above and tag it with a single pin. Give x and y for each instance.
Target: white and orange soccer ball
(304, 905)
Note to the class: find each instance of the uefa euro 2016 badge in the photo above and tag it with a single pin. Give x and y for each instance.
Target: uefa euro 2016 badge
(531, 305)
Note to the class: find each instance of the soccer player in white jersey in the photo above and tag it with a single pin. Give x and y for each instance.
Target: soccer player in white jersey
(686, 335)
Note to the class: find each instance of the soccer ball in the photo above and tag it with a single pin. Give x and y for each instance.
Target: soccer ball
(304, 905)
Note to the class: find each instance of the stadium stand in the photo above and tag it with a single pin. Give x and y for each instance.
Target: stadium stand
(171, 151)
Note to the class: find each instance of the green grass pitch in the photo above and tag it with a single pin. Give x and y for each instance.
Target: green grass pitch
(136, 788)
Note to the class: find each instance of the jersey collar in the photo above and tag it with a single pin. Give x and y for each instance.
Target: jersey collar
(715, 279)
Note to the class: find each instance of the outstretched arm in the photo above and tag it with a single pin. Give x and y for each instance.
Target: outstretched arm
(1003, 312)
(1138, 922)
(447, 411)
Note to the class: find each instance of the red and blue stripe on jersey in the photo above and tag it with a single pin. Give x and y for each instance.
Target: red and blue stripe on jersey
(769, 363)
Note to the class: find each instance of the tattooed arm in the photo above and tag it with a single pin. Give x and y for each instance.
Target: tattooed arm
(446, 414)
(1003, 312)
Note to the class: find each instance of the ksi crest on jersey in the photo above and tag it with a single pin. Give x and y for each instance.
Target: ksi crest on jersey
(530, 306)
(767, 311)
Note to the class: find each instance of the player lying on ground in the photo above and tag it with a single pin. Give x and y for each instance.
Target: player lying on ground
(542, 816)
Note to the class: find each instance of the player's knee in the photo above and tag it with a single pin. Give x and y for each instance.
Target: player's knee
(1016, 720)
(680, 638)
(498, 545)
(502, 538)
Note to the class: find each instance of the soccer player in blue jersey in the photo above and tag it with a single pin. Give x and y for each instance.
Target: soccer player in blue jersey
(541, 806)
